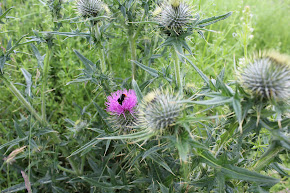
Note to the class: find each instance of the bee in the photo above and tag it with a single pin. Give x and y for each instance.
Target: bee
(121, 99)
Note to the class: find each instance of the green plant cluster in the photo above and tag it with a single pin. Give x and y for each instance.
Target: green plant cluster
(209, 118)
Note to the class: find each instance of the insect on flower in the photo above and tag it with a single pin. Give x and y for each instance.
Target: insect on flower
(121, 105)
(121, 99)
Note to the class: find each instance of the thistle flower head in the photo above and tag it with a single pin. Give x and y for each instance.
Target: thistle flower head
(121, 105)
(159, 110)
(174, 16)
(91, 8)
(267, 76)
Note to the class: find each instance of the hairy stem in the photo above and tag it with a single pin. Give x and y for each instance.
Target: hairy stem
(177, 71)
(44, 83)
(132, 42)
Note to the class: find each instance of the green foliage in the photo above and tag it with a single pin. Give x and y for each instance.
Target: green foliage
(57, 68)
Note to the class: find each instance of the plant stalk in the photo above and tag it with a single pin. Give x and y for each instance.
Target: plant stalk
(177, 72)
(83, 161)
(132, 42)
(44, 83)
(66, 170)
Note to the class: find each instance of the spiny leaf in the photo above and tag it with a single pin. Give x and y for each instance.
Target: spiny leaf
(137, 90)
(102, 113)
(236, 172)
(163, 188)
(213, 101)
(5, 13)
(39, 58)
(212, 20)
(220, 178)
(279, 169)
(150, 151)
(160, 161)
(27, 77)
(140, 135)
(14, 142)
(90, 66)
(69, 34)
(226, 90)
(151, 71)
(201, 74)
(2, 63)
(238, 110)
(88, 145)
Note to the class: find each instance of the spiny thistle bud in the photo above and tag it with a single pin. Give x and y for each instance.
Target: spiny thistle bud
(174, 16)
(91, 8)
(267, 76)
(123, 123)
(121, 105)
(159, 110)
(175, 3)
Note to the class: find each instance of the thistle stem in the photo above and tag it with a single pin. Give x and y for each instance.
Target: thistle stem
(44, 83)
(66, 170)
(132, 42)
(177, 71)
(185, 169)
(103, 60)
(97, 34)
(83, 161)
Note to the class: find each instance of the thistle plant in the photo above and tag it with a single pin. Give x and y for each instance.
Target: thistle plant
(267, 77)
(91, 8)
(193, 139)
(121, 105)
(55, 7)
(174, 16)
(160, 110)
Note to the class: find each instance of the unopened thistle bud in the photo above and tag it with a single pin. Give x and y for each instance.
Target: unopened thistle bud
(159, 110)
(175, 3)
(174, 16)
(91, 8)
(268, 76)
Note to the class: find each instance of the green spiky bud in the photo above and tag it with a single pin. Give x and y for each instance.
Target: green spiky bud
(91, 8)
(122, 122)
(267, 76)
(174, 16)
(159, 110)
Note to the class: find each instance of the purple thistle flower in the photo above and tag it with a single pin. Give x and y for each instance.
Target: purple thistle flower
(121, 102)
